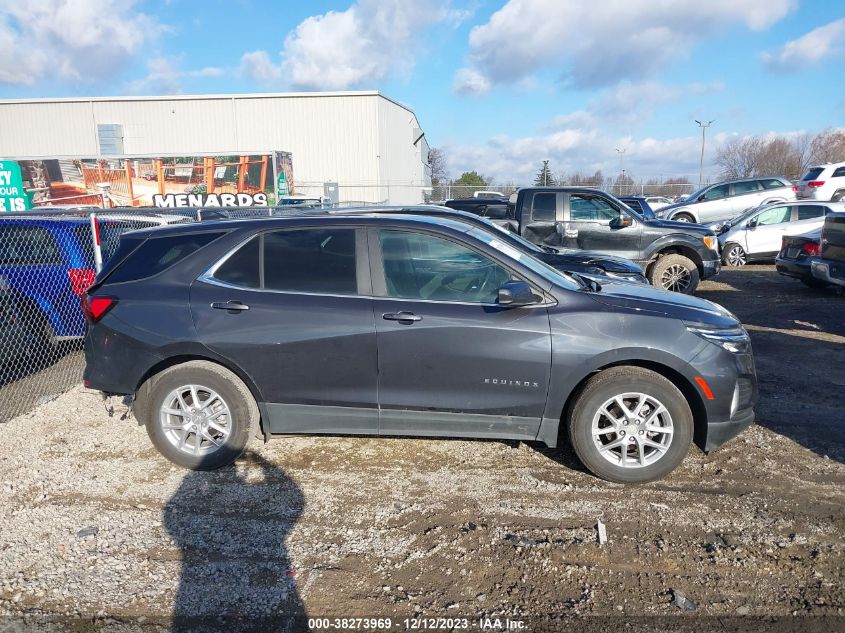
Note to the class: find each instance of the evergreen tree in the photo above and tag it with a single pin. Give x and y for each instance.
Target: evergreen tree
(545, 177)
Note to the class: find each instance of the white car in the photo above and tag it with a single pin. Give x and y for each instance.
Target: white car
(757, 233)
(822, 182)
(657, 202)
(728, 199)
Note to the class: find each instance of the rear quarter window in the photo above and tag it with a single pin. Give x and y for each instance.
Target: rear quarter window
(772, 183)
(839, 172)
(157, 254)
(28, 246)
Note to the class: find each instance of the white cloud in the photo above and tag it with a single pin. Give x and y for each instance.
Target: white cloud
(165, 77)
(257, 66)
(70, 40)
(810, 48)
(369, 41)
(598, 43)
(470, 81)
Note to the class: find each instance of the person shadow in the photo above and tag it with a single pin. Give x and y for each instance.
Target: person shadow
(231, 527)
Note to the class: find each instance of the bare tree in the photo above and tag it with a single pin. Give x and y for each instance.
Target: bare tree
(439, 169)
(738, 157)
(779, 157)
(828, 146)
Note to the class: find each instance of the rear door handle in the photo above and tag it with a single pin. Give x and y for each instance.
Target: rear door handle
(402, 317)
(234, 306)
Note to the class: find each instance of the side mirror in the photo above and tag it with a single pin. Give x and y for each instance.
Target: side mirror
(621, 221)
(515, 294)
(700, 198)
(752, 223)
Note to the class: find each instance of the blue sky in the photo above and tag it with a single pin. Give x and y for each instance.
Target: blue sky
(499, 85)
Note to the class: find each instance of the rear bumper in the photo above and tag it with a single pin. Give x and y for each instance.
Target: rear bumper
(791, 268)
(832, 273)
(719, 432)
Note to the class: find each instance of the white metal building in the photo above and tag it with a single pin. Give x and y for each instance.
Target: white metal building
(370, 145)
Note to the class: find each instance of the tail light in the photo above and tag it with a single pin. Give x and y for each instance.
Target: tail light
(815, 183)
(81, 279)
(96, 307)
(811, 249)
(795, 188)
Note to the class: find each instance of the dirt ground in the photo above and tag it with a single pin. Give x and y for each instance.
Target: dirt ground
(95, 525)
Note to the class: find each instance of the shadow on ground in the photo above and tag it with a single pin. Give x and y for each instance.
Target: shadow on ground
(231, 527)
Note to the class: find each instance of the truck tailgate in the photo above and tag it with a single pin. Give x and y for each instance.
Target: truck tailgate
(833, 238)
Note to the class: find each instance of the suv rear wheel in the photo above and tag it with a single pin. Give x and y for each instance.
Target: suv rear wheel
(676, 273)
(198, 414)
(630, 425)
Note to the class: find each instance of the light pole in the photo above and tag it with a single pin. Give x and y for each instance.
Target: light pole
(621, 151)
(703, 127)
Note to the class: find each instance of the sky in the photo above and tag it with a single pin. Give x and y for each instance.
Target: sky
(499, 85)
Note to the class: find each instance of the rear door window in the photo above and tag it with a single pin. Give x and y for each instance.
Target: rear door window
(543, 207)
(839, 172)
(772, 183)
(742, 188)
(157, 254)
(318, 261)
(27, 246)
(810, 212)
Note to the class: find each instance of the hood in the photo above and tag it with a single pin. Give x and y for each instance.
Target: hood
(685, 227)
(563, 256)
(643, 298)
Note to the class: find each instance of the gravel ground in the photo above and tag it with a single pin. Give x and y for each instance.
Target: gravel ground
(95, 525)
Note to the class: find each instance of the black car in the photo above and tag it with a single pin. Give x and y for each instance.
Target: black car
(600, 268)
(796, 255)
(640, 205)
(675, 255)
(398, 324)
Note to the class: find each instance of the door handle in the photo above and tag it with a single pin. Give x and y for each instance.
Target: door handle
(233, 306)
(402, 317)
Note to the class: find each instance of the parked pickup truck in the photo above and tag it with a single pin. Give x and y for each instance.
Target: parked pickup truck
(675, 255)
(830, 266)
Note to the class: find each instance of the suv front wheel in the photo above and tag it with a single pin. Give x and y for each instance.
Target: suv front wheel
(198, 414)
(630, 425)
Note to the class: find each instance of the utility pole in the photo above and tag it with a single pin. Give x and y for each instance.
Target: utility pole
(621, 151)
(703, 127)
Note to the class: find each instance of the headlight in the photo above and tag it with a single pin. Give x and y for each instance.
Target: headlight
(732, 339)
(635, 277)
(711, 242)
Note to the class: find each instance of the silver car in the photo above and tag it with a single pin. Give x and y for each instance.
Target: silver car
(757, 233)
(728, 199)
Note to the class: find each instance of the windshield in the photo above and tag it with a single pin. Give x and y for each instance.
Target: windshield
(534, 264)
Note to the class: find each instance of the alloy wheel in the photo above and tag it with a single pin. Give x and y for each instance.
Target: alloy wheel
(736, 256)
(675, 278)
(632, 430)
(195, 419)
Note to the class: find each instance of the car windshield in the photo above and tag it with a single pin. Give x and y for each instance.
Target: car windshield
(547, 272)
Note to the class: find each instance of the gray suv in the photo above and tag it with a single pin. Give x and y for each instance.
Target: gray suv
(405, 325)
(726, 200)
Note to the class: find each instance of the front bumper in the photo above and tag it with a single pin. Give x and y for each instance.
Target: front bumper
(719, 432)
(711, 268)
(832, 273)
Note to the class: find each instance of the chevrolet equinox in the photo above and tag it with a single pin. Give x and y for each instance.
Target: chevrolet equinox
(405, 325)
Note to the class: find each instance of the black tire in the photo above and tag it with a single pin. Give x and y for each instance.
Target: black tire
(734, 255)
(242, 406)
(812, 282)
(683, 217)
(664, 267)
(620, 380)
(838, 196)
